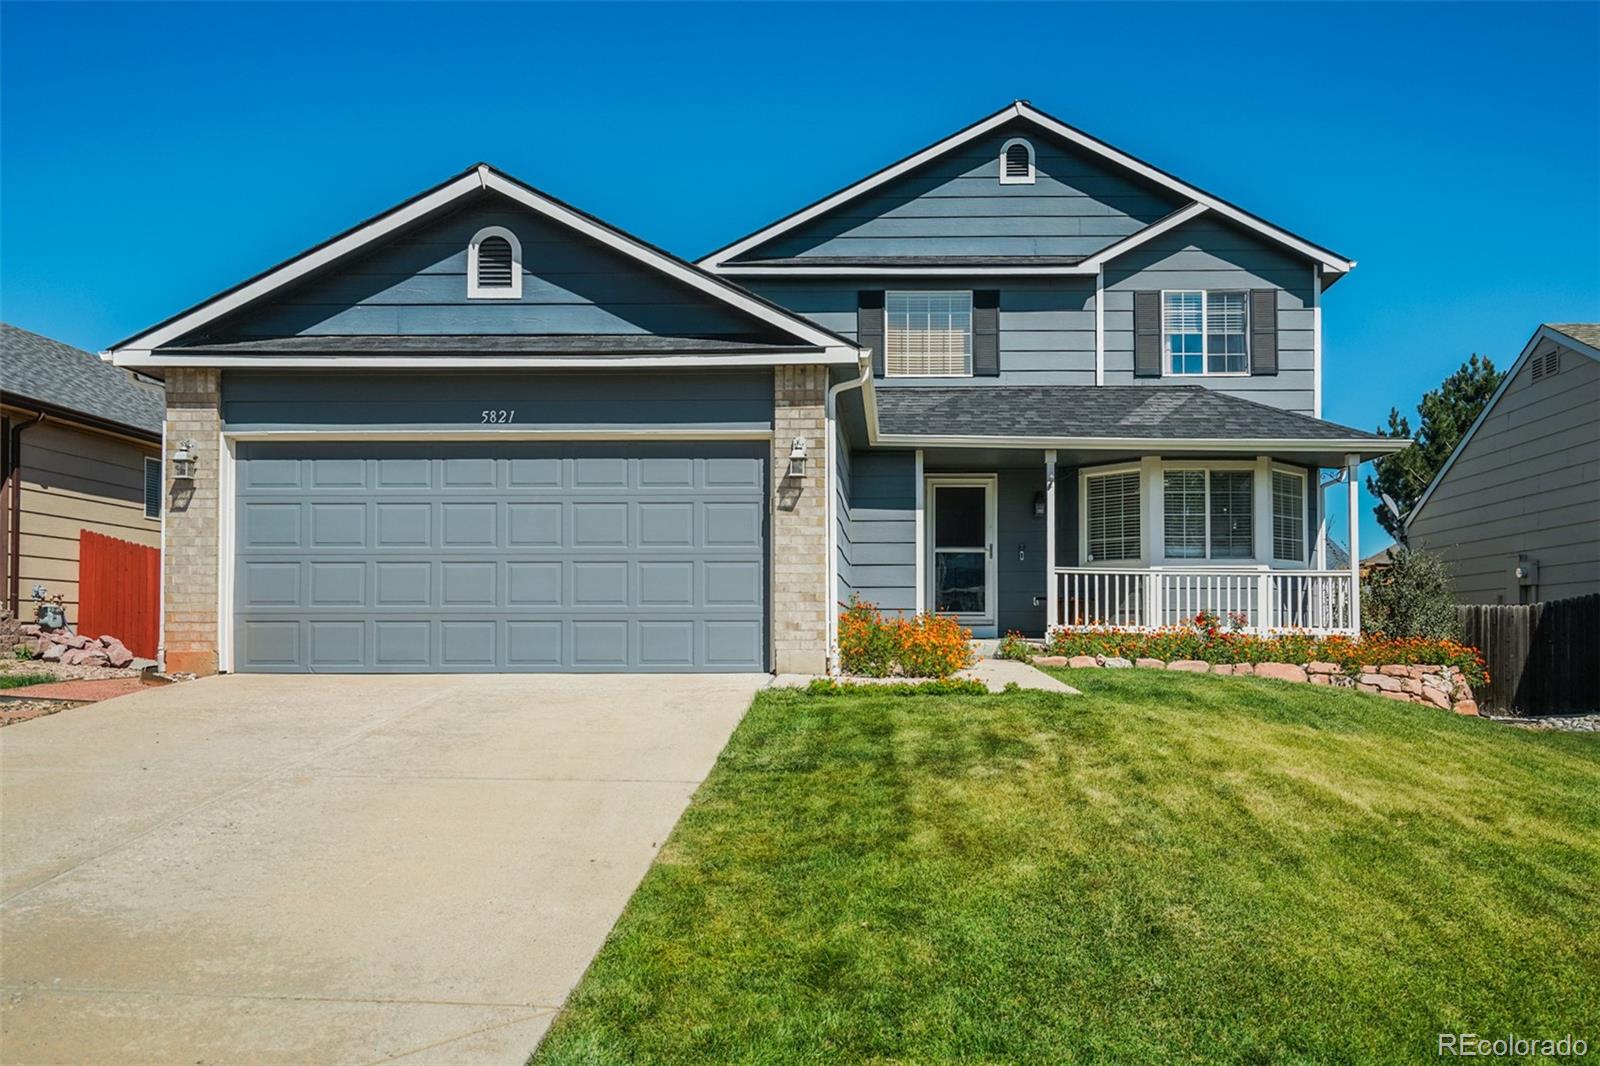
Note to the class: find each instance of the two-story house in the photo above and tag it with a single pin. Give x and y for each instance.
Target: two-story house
(1019, 377)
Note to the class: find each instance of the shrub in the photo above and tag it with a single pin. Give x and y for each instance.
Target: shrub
(925, 645)
(1410, 598)
(1014, 646)
(1205, 639)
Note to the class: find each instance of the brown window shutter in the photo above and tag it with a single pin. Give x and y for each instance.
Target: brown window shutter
(986, 333)
(869, 327)
(1147, 334)
(1263, 331)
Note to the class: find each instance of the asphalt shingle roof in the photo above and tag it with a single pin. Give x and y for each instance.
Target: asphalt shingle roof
(1583, 332)
(38, 368)
(474, 344)
(1168, 412)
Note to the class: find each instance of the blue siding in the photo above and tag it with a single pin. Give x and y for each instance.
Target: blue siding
(880, 536)
(416, 285)
(1020, 550)
(723, 399)
(955, 205)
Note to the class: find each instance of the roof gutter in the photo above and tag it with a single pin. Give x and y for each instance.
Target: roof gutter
(830, 411)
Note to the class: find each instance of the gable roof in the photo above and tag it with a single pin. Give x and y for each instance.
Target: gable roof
(141, 348)
(1582, 338)
(58, 375)
(1332, 263)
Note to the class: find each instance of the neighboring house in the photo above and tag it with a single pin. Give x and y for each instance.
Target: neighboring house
(82, 444)
(1378, 562)
(1515, 510)
(1019, 377)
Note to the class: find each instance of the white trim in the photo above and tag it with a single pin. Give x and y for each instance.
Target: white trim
(1306, 548)
(226, 549)
(1555, 336)
(990, 483)
(161, 576)
(1316, 340)
(1138, 237)
(739, 270)
(1006, 179)
(480, 177)
(834, 356)
(1352, 464)
(161, 484)
(1100, 326)
(1251, 445)
(831, 455)
(920, 536)
(1050, 598)
(1027, 113)
(1205, 334)
(477, 291)
(499, 433)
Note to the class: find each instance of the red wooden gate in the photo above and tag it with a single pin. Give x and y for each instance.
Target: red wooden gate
(119, 591)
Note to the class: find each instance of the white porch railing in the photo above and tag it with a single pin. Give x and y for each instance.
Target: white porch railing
(1318, 601)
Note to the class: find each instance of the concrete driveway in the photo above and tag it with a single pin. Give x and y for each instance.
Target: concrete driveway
(332, 869)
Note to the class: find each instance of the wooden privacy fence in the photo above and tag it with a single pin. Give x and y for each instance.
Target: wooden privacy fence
(1544, 658)
(119, 591)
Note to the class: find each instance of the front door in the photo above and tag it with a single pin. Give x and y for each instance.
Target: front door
(961, 565)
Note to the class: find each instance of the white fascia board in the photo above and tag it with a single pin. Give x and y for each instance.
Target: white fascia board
(1150, 232)
(496, 433)
(1154, 444)
(682, 272)
(1540, 334)
(832, 356)
(715, 260)
(298, 267)
(755, 271)
(1331, 263)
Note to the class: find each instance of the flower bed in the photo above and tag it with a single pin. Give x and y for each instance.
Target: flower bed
(924, 645)
(1419, 670)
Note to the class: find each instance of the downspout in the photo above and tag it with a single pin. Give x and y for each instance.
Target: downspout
(830, 416)
(14, 517)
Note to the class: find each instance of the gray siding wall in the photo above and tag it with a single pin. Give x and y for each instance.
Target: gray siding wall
(956, 206)
(1207, 254)
(724, 399)
(1528, 482)
(416, 284)
(880, 536)
(842, 516)
(1047, 325)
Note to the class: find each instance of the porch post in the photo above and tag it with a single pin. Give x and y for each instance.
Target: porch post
(1050, 615)
(1352, 467)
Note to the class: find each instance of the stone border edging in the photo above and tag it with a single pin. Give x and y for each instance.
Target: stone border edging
(1437, 686)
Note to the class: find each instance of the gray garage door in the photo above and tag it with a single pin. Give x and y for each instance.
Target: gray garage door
(362, 558)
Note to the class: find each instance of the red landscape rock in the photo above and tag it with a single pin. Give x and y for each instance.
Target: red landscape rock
(1189, 666)
(1395, 670)
(1281, 671)
(1081, 661)
(1322, 668)
(1150, 664)
(1467, 707)
(1381, 682)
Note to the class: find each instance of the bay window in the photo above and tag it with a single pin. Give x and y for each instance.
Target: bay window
(1204, 332)
(1208, 514)
(1111, 516)
(1288, 516)
(928, 334)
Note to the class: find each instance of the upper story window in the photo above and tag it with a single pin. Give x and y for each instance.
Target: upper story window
(1016, 162)
(928, 334)
(494, 265)
(1205, 332)
(1111, 516)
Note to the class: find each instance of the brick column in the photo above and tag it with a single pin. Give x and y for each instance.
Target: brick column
(189, 565)
(799, 594)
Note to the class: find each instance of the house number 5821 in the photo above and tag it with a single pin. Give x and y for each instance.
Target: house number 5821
(497, 417)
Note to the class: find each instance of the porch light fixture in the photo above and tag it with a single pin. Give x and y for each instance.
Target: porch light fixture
(797, 458)
(1038, 505)
(184, 461)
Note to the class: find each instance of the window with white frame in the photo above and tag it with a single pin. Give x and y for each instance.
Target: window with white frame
(1207, 514)
(1111, 514)
(494, 265)
(1205, 332)
(1288, 516)
(1016, 162)
(928, 334)
(152, 487)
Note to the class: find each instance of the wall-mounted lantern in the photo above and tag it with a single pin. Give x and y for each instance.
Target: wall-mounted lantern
(797, 458)
(1038, 505)
(184, 461)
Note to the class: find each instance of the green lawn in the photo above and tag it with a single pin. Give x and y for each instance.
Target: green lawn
(24, 680)
(1169, 867)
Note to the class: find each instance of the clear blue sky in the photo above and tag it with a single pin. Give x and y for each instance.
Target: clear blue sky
(154, 154)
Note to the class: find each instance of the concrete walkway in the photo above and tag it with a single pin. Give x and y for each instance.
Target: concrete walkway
(332, 869)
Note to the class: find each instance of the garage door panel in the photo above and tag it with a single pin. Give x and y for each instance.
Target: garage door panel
(413, 557)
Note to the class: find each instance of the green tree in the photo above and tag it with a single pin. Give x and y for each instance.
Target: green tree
(1446, 413)
(1410, 598)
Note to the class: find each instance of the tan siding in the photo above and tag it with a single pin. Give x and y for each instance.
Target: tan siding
(74, 480)
(1528, 482)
